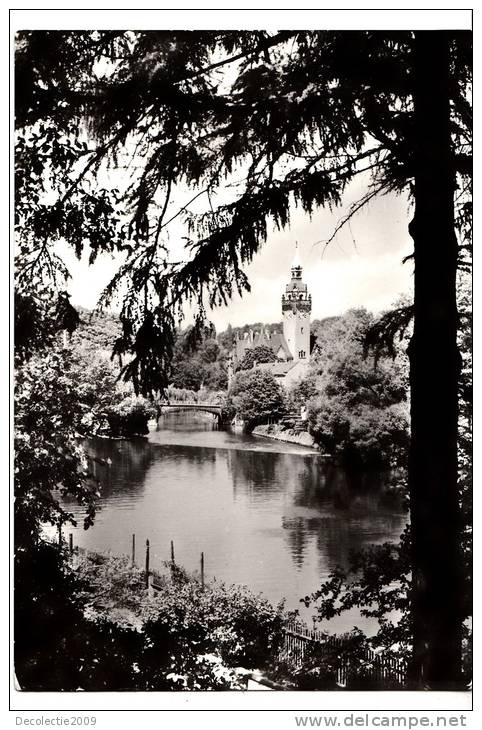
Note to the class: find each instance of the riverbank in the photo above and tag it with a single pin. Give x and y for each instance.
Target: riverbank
(275, 431)
(185, 634)
(178, 631)
(220, 490)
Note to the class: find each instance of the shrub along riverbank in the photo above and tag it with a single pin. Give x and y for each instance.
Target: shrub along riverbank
(181, 636)
(181, 633)
(289, 435)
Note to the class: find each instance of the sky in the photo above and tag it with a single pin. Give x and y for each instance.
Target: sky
(361, 267)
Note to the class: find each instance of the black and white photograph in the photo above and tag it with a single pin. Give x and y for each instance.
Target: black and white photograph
(242, 362)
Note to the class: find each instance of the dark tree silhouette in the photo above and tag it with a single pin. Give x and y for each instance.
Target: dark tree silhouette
(299, 115)
(437, 592)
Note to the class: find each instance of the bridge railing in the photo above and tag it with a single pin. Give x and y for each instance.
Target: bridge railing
(213, 408)
(193, 404)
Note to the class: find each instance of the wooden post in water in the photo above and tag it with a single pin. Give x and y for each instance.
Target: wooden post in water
(172, 552)
(202, 571)
(147, 563)
(71, 543)
(60, 534)
(133, 549)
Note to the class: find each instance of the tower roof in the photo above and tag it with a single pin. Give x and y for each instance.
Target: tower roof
(296, 260)
(275, 341)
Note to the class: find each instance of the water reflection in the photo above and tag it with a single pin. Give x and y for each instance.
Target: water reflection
(268, 515)
(118, 468)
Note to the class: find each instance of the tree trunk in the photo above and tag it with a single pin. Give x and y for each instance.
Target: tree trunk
(434, 372)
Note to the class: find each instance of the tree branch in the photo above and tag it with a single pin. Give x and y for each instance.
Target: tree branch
(280, 37)
(353, 210)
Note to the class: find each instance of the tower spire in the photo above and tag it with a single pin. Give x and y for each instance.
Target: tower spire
(296, 267)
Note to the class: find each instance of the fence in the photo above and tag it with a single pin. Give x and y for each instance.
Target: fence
(378, 667)
(153, 576)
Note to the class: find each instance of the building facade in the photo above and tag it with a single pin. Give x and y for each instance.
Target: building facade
(291, 346)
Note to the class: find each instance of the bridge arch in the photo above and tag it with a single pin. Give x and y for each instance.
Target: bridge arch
(199, 407)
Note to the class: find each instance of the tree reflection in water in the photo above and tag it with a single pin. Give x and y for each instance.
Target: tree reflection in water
(321, 502)
(274, 517)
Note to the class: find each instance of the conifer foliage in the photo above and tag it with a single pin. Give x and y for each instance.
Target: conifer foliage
(226, 132)
(249, 124)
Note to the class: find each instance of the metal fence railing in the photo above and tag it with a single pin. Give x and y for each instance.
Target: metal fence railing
(379, 667)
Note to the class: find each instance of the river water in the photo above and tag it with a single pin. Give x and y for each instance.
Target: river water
(273, 516)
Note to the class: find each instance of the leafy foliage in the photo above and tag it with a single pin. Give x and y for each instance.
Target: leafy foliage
(238, 627)
(129, 417)
(96, 332)
(304, 390)
(359, 413)
(48, 458)
(100, 629)
(304, 113)
(378, 583)
(198, 360)
(194, 126)
(256, 397)
(465, 446)
(39, 321)
(190, 637)
(379, 578)
(56, 648)
(109, 404)
(259, 354)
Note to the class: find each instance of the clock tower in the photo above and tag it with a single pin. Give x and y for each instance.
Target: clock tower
(296, 307)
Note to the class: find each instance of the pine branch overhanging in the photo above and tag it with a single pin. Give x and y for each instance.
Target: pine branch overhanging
(299, 114)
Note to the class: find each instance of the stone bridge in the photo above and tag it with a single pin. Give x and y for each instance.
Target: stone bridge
(202, 407)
